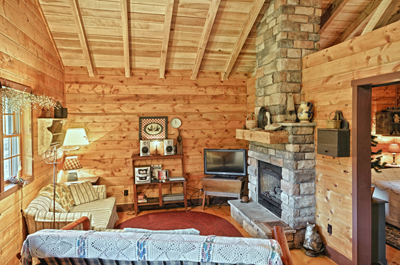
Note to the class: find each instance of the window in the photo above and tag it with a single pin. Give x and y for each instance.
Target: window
(11, 143)
(16, 136)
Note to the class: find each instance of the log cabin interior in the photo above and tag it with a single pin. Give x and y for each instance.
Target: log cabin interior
(211, 64)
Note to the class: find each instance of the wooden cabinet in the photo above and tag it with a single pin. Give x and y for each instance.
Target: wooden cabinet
(50, 132)
(222, 187)
(158, 200)
(334, 142)
(385, 123)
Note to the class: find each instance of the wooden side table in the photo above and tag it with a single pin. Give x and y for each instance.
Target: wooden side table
(221, 187)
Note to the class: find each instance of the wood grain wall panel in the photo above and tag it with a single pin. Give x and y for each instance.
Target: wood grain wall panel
(27, 56)
(109, 107)
(327, 77)
(251, 95)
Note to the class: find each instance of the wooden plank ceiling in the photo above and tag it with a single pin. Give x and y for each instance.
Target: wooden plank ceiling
(346, 19)
(195, 35)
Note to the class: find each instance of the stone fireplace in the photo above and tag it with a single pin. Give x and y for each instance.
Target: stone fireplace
(287, 33)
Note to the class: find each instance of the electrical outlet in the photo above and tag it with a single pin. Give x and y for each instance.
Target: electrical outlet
(125, 192)
(329, 229)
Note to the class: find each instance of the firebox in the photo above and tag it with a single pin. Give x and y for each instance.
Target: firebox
(269, 188)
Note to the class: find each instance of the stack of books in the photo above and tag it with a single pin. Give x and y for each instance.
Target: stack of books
(173, 197)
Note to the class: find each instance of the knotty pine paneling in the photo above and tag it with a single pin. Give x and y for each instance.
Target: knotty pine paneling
(27, 56)
(327, 77)
(109, 106)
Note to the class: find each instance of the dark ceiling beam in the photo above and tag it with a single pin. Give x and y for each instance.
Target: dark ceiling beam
(331, 13)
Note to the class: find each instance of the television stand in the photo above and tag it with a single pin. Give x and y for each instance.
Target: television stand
(222, 187)
(224, 177)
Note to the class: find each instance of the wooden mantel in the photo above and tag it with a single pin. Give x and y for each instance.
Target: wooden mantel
(267, 137)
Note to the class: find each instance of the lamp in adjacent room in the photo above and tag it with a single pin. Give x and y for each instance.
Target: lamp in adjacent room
(73, 138)
(394, 148)
(71, 164)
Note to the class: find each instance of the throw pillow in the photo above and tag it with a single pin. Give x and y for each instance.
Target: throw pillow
(83, 192)
(59, 208)
(63, 195)
(189, 231)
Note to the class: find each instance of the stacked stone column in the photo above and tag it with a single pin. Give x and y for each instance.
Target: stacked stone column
(287, 32)
(297, 159)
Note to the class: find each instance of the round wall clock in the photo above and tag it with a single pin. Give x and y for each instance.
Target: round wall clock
(176, 123)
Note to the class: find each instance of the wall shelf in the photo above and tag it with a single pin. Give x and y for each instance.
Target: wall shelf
(267, 137)
(50, 132)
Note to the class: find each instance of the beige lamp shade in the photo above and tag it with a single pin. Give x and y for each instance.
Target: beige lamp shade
(394, 148)
(71, 163)
(76, 137)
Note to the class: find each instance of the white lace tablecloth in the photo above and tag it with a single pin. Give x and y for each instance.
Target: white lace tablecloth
(150, 247)
(388, 185)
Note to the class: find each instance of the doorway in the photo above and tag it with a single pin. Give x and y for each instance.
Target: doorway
(361, 174)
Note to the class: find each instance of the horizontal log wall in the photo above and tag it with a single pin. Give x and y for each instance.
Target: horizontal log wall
(27, 56)
(327, 77)
(109, 106)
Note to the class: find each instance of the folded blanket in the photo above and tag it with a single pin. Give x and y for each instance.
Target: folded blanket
(150, 247)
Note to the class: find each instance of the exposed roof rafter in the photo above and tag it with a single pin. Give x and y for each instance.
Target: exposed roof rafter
(380, 11)
(248, 24)
(359, 22)
(390, 11)
(331, 13)
(125, 37)
(212, 12)
(166, 33)
(82, 36)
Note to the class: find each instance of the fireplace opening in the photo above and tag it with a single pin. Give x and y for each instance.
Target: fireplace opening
(269, 187)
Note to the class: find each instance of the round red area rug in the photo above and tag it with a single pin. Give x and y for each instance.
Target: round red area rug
(207, 224)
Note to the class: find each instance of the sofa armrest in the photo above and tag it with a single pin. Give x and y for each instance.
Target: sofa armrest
(101, 191)
(84, 221)
(279, 235)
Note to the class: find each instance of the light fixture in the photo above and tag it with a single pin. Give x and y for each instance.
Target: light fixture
(76, 137)
(156, 143)
(394, 148)
(73, 138)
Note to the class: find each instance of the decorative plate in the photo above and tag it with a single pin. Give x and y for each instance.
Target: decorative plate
(262, 118)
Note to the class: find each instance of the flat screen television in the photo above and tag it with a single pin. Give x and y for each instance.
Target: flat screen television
(225, 162)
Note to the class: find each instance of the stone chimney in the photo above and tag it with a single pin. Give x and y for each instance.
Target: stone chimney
(287, 32)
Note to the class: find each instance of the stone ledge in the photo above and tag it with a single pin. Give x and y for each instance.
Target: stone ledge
(297, 124)
(251, 216)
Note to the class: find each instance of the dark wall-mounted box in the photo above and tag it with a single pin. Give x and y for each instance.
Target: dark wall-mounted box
(334, 142)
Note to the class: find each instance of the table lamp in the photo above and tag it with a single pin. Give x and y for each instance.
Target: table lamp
(71, 164)
(75, 137)
(394, 148)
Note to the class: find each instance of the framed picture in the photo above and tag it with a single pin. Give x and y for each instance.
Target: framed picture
(153, 128)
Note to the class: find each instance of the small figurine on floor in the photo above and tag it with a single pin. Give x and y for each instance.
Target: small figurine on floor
(313, 241)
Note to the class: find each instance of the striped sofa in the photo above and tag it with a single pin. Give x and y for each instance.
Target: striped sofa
(102, 213)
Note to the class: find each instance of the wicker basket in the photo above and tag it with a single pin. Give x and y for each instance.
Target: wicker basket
(333, 124)
(251, 124)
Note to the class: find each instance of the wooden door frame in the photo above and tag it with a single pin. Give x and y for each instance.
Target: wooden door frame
(361, 174)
